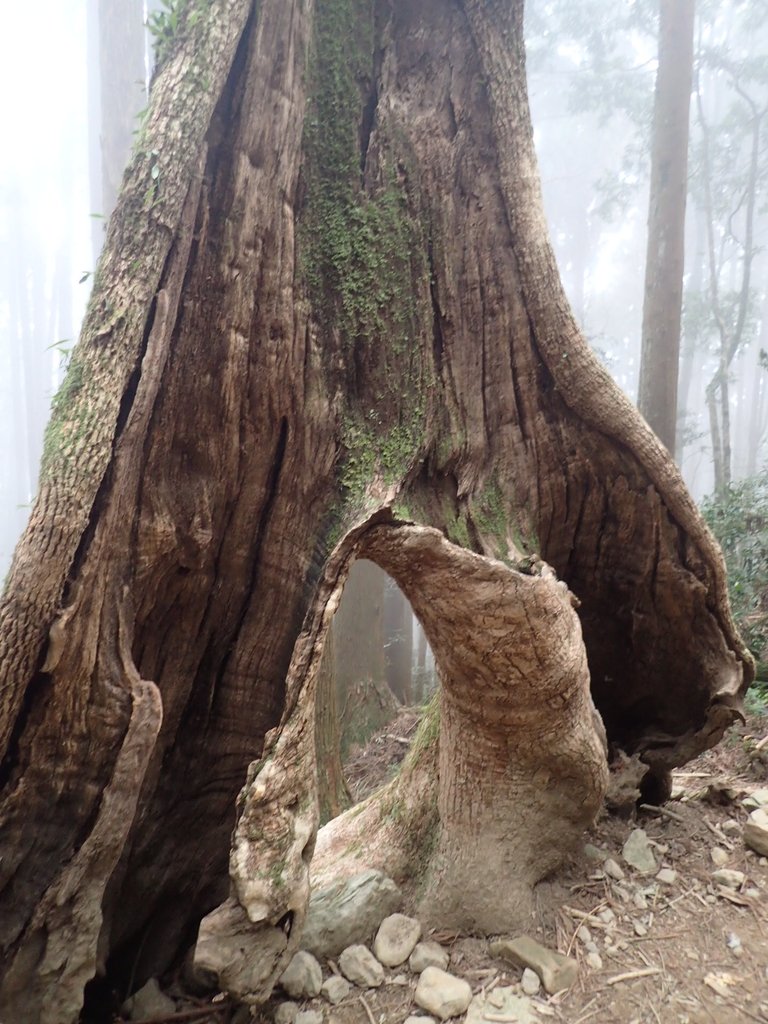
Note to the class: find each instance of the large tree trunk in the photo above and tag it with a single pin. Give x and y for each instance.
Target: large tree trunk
(328, 324)
(665, 259)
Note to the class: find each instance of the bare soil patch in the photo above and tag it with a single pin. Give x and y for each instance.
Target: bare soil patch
(681, 951)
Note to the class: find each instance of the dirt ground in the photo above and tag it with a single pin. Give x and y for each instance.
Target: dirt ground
(689, 952)
(681, 951)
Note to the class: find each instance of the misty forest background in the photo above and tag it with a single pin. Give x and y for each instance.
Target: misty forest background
(73, 101)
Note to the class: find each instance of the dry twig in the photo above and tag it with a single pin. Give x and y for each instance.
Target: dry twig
(646, 972)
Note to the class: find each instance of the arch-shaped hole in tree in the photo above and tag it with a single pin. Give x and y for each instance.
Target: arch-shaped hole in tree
(377, 671)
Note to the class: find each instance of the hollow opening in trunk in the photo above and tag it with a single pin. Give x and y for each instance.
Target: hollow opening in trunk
(377, 672)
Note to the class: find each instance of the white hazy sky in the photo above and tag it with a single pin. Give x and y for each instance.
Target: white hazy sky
(44, 197)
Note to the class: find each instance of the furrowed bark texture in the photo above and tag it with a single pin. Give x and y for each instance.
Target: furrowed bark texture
(326, 292)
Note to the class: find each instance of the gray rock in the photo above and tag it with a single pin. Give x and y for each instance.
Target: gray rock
(613, 869)
(302, 977)
(638, 854)
(530, 982)
(359, 965)
(396, 939)
(309, 1017)
(335, 989)
(719, 856)
(729, 878)
(501, 1004)
(758, 798)
(594, 961)
(413, 1019)
(555, 970)
(667, 876)
(594, 853)
(756, 831)
(428, 954)
(196, 979)
(442, 994)
(348, 912)
(148, 1001)
(286, 1013)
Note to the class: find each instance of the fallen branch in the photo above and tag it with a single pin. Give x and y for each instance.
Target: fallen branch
(663, 812)
(646, 972)
(367, 1009)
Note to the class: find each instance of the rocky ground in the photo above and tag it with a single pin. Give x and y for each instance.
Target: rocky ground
(662, 919)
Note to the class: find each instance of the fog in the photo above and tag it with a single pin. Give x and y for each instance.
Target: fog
(592, 69)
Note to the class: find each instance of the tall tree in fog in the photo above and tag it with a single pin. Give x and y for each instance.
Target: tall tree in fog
(118, 92)
(398, 643)
(328, 324)
(665, 259)
(731, 179)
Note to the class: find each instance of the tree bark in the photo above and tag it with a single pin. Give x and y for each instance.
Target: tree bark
(328, 324)
(665, 258)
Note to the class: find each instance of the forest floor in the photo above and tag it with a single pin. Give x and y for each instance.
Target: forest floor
(692, 951)
(683, 950)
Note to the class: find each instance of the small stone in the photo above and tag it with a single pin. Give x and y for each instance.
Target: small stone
(359, 965)
(309, 1017)
(752, 892)
(148, 1001)
(638, 854)
(606, 915)
(395, 940)
(555, 970)
(593, 853)
(731, 827)
(640, 901)
(302, 977)
(756, 831)
(640, 929)
(583, 934)
(719, 856)
(591, 947)
(613, 869)
(667, 876)
(286, 1012)
(758, 798)
(442, 994)
(335, 989)
(729, 878)
(504, 1004)
(428, 954)
(531, 982)
(594, 961)
(413, 1019)
(733, 942)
